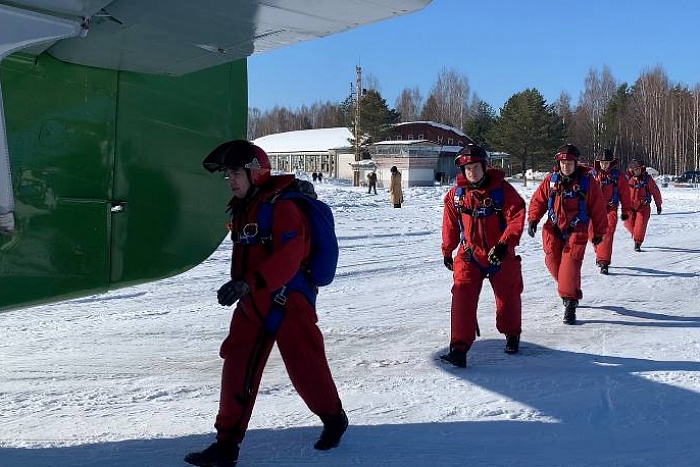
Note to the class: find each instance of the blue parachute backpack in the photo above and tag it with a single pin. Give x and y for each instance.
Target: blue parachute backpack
(322, 262)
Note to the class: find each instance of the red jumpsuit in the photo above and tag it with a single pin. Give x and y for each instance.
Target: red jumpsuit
(642, 189)
(613, 184)
(564, 256)
(246, 349)
(480, 235)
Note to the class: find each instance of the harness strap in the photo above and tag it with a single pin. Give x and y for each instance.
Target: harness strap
(611, 179)
(487, 271)
(260, 232)
(495, 206)
(578, 190)
(275, 314)
(643, 183)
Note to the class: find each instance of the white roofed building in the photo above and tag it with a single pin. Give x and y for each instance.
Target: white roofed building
(319, 150)
(415, 159)
(449, 138)
(422, 151)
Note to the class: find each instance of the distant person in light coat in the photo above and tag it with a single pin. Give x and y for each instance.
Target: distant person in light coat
(395, 190)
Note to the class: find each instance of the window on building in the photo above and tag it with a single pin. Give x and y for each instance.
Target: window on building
(449, 141)
(325, 164)
(439, 139)
(410, 136)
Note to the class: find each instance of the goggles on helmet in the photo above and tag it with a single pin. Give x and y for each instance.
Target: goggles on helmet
(562, 156)
(465, 159)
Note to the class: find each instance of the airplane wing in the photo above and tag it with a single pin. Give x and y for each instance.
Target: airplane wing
(176, 37)
(109, 108)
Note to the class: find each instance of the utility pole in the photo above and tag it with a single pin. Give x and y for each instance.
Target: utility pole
(358, 96)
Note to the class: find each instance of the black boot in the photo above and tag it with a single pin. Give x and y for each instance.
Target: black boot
(512, 344)
(333, 430)
(457, 356)
(638, 247)
(570, 311)
(604, 269)
(219, 454)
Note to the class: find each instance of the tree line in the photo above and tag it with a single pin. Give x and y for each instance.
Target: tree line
(652, 119)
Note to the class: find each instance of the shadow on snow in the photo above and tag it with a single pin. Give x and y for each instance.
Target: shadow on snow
(657, 319)
(588, 410)
(649, 272)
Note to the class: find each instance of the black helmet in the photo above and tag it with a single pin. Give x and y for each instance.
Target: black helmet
(394, 169)
(469, 154)
(606, 156)
(240, 153)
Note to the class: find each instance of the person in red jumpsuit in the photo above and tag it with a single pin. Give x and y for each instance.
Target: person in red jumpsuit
(483, 218)
(613, 183)
(571, 198)
(266, 312)
(643, 189)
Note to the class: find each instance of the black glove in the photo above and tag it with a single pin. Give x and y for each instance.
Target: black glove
(532, 228)
(231, 291)
(449, 263)
(658, 209)
(624, 216)
(596, 239)
(498, 254)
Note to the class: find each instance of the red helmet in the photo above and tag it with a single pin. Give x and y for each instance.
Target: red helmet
(240, 154)
(568, 152)
(469, 154)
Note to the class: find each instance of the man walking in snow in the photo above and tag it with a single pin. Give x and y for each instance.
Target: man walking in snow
(267, 310)
(483, 217)
(372, 182)
(643, 189)
(613, 184)
(572, 199)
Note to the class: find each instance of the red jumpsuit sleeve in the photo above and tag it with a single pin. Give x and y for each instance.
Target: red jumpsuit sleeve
(597, 207)
(538, 202)
(655, 192)
(450, 225)
(514, 213)
(290, 246)
(623, 192)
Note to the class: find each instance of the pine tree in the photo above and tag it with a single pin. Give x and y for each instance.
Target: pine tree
(430, 110)
(375, 118)
(529, 130)
(480, 123)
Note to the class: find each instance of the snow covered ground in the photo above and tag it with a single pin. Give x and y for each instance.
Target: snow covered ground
(131, 378)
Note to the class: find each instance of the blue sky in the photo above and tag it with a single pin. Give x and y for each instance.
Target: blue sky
(502, 46)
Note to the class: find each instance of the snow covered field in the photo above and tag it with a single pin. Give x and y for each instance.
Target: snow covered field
(131, 378)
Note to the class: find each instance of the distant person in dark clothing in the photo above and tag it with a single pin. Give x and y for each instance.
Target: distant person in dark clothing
(372, 182)
(320, 177)
(314, 176)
